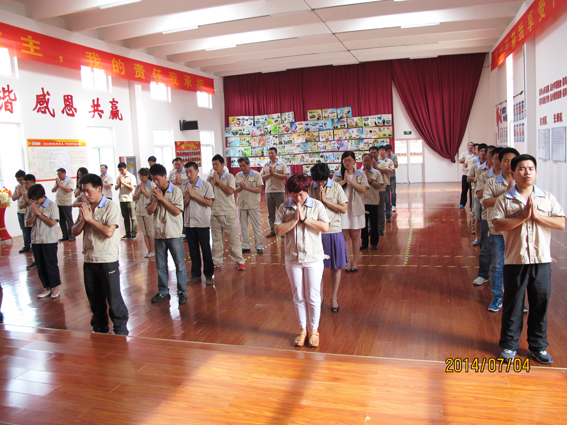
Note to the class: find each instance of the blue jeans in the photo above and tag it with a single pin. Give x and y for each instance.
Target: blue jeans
(497, 246)
(26, 231)
(175, 247)
(485, 256)
(391, 194)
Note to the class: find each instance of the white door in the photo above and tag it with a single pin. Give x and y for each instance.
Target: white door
(415, 170)
(402, 154)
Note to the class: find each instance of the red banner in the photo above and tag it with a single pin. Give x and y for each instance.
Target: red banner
(37, 47)
(538, 14)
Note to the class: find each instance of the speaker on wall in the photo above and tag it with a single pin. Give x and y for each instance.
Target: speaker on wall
(188, 125)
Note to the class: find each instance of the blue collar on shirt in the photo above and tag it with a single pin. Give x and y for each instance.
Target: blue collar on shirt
(242, 173)
(223, 175)
(513, 193)
(278, 162)
(329, 183)
(490, 173)
(104, 175)
(66, 179)
(198, 184)
(484, 166)
(500, 178)
(478, 160)
(149, 183)
(371, 169)
(170, 187)
(290, 203)
(102, 202)
(45, 203)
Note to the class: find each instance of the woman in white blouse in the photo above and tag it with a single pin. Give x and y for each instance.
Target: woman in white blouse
(354, 183)
(302, 219)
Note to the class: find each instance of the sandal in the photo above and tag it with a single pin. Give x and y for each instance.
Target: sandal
(314, 339)
(300, 339)
(335, 309)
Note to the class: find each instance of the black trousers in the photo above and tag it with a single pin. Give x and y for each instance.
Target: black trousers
(66, 221)
(466, 187)
(45, 256)
(102, 284)
(128, 210)
(372, 223)
(200, 237)
(536, 279)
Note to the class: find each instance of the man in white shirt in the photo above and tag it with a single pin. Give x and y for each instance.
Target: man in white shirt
(274, 173)
(106, 182)
(125, 184)
(465, 185)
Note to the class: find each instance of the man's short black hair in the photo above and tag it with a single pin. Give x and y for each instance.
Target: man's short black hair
(520, 158)
(62, 170)
(152, 158)
(191, 164)
(506, 151)
(273, 149)
(218, 158)
(320, 172)
(381, 147)
(93, 179)
(373, 148)
(243, 159)
(483, 146)
(177, 159)
(496, 151)
(367, 154)
(475, 145)
(491, 147)
(29, 178)
(122, 165)
(20, 174)
(36, 191)
(389, 147)
(157, 170)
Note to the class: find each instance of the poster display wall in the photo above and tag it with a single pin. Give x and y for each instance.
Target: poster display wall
(519, 119)
(551, 128)
(48, 155)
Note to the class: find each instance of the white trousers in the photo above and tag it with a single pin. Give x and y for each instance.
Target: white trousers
(305, 279)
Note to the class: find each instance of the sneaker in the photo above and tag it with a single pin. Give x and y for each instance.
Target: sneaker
(147, 255)
(241, 267)
(270, 235)
(461, 206)
(125, 238)
(31, 266)
(209, 281)
(507, 355)
(193, 279)
(495, 305)
(182, 298)
(259, 251)
(393, 208)
(218, 266)
(63, 239)
(525, 309)
(133, 238)
(24, 249)
(476, 242)
(245, 250)
(479, 281)
(540, 356)
(71, 239)
(160, 297)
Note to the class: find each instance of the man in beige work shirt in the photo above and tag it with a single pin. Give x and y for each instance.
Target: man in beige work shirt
(476, 168)
(106, 182)
(223, 215)
(386, 167)
(63, 190)
(274, 174)
(126, 184)
(371, 203)
(249, 189)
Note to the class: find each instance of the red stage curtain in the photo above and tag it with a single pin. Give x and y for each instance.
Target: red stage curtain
(438, 95)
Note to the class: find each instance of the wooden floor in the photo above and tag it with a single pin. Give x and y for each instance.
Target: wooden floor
(413, 299)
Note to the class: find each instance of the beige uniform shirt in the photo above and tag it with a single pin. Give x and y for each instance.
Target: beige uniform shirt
(197, 215)
(41, 232)
(167, 225)
(372, 195)
(97, 248)
(125, 194)
(273, 184)
(529, 243)
(356, 198)
(62, 198)
(20, 200)
(389, 165)
(223, 204)
(335, 194)
(493, 188)
(480, 185)
(143, 202)
(303, 244)
(248, 200)
(465, 156)
(182, 176)
(107, 179)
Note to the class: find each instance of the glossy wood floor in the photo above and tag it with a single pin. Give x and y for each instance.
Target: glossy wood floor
(411, 299)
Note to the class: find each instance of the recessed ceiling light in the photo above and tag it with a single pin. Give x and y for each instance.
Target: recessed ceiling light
(220, 47)
(194, 27)
(431, 24)
(118, 3)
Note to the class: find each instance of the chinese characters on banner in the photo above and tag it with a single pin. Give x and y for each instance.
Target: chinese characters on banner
(37, 47)
(537, 15)
(7, 99)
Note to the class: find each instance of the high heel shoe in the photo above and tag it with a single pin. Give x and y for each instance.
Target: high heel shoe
(300, 339)
(335, 309)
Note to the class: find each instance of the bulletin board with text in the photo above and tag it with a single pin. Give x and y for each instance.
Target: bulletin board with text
(189, 152)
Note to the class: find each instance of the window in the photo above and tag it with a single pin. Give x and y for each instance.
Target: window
(100, 148)
(11, 142)
(159, 91)
(95, 79)
(207, 149)
(8, 65)
(204, 100)
(163, 142)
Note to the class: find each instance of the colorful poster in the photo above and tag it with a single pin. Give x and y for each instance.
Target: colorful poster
(340, 123)
(260, 120)
(256, 131)
(341, 134)
(314, 115)
(353, 122)
(188, 151)
(324, 125)
(288, 117)
(311, 136)
(344, 112)
(298, 127)
(274, 119)
(326, 136)
(329, 114)
(355, 133)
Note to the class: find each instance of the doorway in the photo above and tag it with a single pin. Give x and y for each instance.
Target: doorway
(410, 161)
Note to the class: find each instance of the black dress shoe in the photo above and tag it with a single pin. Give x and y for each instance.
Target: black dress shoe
(71, 239)
(259, 251)
(24, 249)
(363, 247)
(374, 247)
(31, 266)
(244, 250)
(63, 239)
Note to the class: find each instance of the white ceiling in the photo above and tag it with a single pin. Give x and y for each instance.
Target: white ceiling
(274, 35)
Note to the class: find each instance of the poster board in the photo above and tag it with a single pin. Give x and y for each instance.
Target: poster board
(558, 144)
(543, 143)
(48, 155)
(188, 152)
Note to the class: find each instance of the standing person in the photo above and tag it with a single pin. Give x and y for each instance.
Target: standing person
(125, 184)
(152, 160)
(303, 219)
(198, 196)
(178, 176)
(25, 206)
(391, 189)
(472, 162)
(333, 197)
(494, 187)
(249, 189)
(79, 199)
(42, 219)
(386, 167)
(371, 203)
(142, 195)
(166, 205)
(274, 173)
(375, 157)
(106, 182)
(98, 221)
(354, 184)
(63, 190)
(476, 169)
(526, 214)
(465, 185)
(18, 197)
(223, 215)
